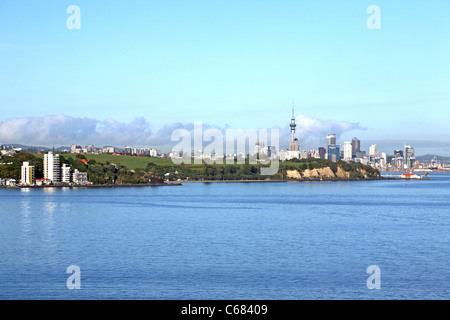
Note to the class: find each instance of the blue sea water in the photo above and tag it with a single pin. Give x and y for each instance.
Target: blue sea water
(228, 241)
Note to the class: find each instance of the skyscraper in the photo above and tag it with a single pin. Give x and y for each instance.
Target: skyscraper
(322, 152)
(398, 160)
(356, 146)
(331, 140)
(333, 150)
(348, 153)
(409, 156)
(373, 150)
(52, 170)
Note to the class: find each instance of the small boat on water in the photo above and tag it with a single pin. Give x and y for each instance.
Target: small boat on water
(410, 176)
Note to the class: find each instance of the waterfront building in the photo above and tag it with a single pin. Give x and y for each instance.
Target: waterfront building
(66, 173)
(52, 169)
(11, 182)
(43, 181)
(28, 174)
(79, 177)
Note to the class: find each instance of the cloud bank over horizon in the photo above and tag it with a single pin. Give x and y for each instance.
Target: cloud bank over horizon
(64, 130)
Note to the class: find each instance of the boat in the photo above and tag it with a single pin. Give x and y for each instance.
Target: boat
(410, 176)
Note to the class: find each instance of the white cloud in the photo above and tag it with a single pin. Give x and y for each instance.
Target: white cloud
(59, 130)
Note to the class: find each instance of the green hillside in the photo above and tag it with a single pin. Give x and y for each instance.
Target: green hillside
(131, 162)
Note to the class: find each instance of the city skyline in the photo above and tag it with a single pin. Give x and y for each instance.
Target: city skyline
(311, 137)
(141, 71)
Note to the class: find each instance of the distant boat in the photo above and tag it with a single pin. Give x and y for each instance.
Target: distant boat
(410, 176)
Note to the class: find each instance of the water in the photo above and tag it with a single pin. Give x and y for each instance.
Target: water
(228, 241)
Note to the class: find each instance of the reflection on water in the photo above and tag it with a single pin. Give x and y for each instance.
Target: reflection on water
(25, 211)
(48, 219)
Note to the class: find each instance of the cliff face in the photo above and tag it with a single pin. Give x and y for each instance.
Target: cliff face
(322, 173)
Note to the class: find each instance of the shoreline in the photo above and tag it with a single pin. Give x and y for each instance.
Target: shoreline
(287, 180)
(179, 183)
(94, 186)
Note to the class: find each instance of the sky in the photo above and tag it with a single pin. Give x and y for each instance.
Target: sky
(135, 70)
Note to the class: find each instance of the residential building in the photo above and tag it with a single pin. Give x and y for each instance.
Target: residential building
(28, 174)
(52, 169)
(66, 173)
(79, 177)
(11, 182)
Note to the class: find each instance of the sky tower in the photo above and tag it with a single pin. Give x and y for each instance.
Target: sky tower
(293, 145)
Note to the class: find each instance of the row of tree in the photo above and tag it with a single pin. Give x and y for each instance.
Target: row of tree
(107, 173)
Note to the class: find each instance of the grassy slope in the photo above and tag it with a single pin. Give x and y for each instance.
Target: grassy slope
(131, 162)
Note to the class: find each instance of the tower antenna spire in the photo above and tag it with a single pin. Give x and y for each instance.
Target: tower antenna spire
(292, 108)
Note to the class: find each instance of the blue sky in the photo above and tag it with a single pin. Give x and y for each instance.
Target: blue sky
(235, 63)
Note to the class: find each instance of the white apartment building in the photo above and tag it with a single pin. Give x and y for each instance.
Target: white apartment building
(52, 169)
(28, 174)
(348, 153)
(373, 150)
(66, 173)
(79, 177)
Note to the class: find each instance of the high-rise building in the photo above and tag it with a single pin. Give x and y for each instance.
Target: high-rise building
(383, 160)
(322, 152)
(334, 152)
(409, 156)
(66, 173)
(259, 147)
(398, 161)
(348, 153)
(331, 140)
(356, 146)
(373, 150)
(28, 177)
(52, 169)
(271, 152)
